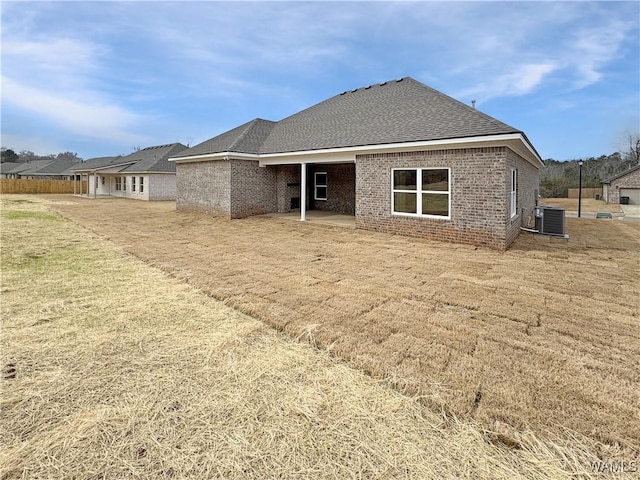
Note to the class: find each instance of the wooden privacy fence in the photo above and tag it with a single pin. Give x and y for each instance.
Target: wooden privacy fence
(21, 185)
(586, 192)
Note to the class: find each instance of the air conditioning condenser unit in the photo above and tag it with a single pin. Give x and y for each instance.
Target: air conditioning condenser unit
(550, 221)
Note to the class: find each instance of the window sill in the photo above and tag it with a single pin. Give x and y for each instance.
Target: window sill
(415, 215)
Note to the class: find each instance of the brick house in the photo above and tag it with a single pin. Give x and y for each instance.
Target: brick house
(46, 169)
(400, 156)
(143, 175)
(625, 184)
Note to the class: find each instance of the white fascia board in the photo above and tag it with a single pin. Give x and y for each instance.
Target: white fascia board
(206, 157)
(147, 173)
(348, 154)
(310, 157)
(97, 169)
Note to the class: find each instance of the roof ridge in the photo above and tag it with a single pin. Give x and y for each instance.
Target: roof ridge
(469, 108)
(159, 146)
(246, 131)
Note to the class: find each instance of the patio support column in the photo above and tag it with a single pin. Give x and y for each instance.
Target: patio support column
(74, 183)
(303, 192)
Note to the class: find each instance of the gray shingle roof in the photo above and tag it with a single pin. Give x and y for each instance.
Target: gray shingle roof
(147, 160)
(391, 112)
(99, 162)
(7, 166)
(27, 168)
(153, 159)
(246, 138)
(57, 167)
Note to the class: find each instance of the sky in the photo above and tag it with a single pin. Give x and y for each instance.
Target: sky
(103, 78)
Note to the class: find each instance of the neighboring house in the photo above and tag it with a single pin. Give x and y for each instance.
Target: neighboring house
(5, 167)
(624, 185)
(55, 170)
(400, 156)
(27, 169)
(143, 175)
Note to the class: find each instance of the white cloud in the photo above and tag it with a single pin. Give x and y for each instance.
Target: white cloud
(566, 46)
(592, 48)
(521, 80)
(90, 117)
(56, 80)
(62, 57)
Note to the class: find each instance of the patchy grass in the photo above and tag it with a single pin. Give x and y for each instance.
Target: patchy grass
(112, 369)
(22, 215)
(545, 336)
(537, 347)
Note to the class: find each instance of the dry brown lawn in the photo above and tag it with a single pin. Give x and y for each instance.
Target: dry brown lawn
(589, 206)
(544, 337)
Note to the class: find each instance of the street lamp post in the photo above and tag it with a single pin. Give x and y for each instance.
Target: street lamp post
(580, 163)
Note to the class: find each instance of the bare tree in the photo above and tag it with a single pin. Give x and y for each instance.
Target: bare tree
(633, 142)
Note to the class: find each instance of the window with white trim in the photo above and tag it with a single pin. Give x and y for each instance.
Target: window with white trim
(421, 192)
(514, 192)
(141, 184)
(133, 184)
(124, 183)
(320, 189)
(118, 184)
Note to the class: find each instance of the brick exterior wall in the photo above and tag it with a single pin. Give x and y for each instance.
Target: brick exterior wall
(479, 189)
(612, 189)
(528, 185)
(204, 187)
(231, 188)
(287, 186)
(341, 188)
(253, 189)
(159, 186)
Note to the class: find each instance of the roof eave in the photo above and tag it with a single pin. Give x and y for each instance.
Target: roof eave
(206, 157)
(516, 141)
(95, 169)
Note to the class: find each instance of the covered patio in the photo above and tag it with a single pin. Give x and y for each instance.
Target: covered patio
(319, 216)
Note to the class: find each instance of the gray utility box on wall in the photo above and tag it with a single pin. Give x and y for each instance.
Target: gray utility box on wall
(550, 221)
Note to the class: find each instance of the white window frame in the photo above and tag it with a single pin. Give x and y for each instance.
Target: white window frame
(124, 183)
(117, 184)
(141, 185)
(418, 192)
(133, 184)
(514, 192)
(316, 185)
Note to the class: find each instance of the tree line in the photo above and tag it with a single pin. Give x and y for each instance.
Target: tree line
(25, 156)
(558, 177)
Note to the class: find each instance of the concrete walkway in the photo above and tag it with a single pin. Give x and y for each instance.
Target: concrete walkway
(631, 210)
